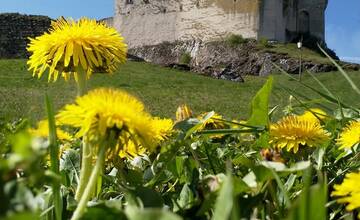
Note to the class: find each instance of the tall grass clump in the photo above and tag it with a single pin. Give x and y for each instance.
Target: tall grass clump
(185, 58)
(235, 40)
(264, 43)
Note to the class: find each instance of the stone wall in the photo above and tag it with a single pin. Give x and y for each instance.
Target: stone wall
(144, 22)
(15, 29)
(150, 22)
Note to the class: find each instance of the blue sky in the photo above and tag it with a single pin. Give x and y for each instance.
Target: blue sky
(342, 18)
(343, 28)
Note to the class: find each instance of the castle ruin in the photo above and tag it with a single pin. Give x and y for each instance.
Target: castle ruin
(150, 22)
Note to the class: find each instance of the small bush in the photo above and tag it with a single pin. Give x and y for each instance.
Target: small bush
(235, 40)
(263, 42)
(185, 58)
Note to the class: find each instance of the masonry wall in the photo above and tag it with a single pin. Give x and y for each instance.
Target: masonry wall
(15, 29)
(272, 24)
(316, 11)
(144, 22)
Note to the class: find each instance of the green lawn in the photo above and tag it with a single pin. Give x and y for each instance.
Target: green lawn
(161, 89)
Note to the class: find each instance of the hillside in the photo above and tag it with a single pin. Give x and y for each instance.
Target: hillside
(162, 90)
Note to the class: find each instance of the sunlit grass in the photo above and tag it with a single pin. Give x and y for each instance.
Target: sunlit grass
(161, 89)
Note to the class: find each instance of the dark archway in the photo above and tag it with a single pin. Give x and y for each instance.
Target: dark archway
(304, 22)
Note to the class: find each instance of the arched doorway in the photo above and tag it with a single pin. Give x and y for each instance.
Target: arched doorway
(304, 22)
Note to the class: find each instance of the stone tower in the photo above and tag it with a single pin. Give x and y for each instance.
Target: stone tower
(287, 20)
(150, 22)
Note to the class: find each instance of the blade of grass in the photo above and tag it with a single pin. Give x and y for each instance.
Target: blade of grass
(342, 71)
(281, 187)
(230, 131)
(318, 101)
(309, 101)
(236, 123)
(321, 84)
(54, 158)
(309, 109)
(225, 201)
(329, 98)
(341, 112)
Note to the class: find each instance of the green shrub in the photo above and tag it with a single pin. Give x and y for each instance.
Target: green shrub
(235, 40)
(263, 42)
(185, 58)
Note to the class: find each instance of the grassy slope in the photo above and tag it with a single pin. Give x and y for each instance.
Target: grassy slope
(292, 51)
(161, 89)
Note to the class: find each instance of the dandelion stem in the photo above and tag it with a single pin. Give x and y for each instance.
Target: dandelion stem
(91, 184)
(81, 81)
(54, 158)
(86, 166)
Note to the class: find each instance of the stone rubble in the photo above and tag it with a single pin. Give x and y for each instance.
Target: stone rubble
(222, 61)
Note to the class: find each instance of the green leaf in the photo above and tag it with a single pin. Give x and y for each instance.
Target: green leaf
(319, 157)
(260, 105)
(312, 202)
(21, 146)
(104, 213)
(151, 214)
(133, 177)
(70, 165)
(149, 197)
(240, 186)
(186, 197)
(22, 216)
(225, 200)
(243, 161)
(290, 182)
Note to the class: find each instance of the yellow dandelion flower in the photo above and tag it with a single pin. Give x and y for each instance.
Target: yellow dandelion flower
(70, 46)
(293, 131)
(42, 130)
(131, 150)
(104, 110)
(163, 129)
(314, 114)
(350, 136)
(213, 122)
(183, 112)
(349, 191)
